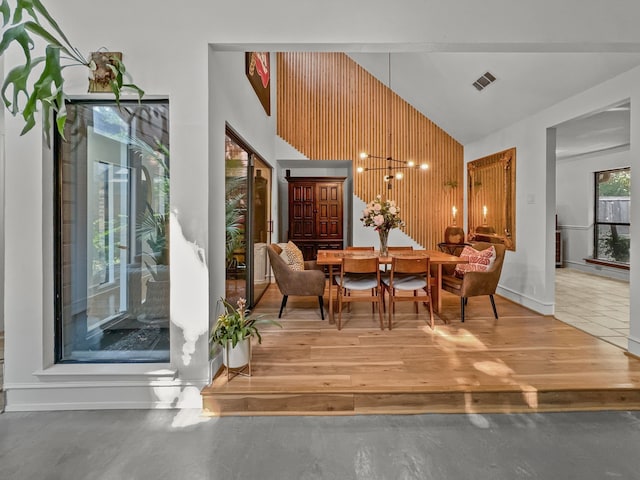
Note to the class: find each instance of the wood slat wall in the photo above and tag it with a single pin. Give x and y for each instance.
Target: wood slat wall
(330, 108)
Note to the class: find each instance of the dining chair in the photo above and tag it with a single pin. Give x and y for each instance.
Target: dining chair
(307, 282)
(477, 283)
(353, 248)
(394, 249)
(362, 275)
(408, 274)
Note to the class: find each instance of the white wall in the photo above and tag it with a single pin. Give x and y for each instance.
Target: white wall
(173, 66)
(574, 206)
(529, 272)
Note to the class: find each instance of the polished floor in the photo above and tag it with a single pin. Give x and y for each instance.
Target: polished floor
(594, 304)
(172, 445)
(522, 362)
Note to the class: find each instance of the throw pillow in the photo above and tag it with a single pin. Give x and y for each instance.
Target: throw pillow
(296, 260)
(479, 260)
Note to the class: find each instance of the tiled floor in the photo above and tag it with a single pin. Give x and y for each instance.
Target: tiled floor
(594, 304)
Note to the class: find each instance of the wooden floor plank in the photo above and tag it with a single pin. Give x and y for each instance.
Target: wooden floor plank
(521, 362)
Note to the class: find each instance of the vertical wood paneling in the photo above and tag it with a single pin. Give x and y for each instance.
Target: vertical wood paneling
(330, 108)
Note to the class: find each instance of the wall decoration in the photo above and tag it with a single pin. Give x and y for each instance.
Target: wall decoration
(258, 72)
(491, 213)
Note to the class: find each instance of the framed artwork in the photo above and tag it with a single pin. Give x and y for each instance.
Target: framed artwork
(258, 72)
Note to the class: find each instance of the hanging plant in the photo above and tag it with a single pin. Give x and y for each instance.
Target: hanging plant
(29, 19)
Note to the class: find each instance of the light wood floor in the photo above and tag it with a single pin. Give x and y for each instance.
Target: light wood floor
(594, 304)
(521, 362)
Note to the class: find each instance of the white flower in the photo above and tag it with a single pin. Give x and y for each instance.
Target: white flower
(378, 220)
(392, 210)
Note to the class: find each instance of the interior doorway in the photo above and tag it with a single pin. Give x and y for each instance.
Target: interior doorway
(592, 160)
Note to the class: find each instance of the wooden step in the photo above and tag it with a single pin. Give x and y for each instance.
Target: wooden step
(523, 362)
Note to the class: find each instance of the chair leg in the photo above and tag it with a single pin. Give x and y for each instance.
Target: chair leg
(380, 297)
(463, 301)
(415, 304)
(340, 295)
(430, 308)
(283, 304)
(493, 304)
(321, 303)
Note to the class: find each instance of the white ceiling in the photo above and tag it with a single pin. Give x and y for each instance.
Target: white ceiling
(439, 85)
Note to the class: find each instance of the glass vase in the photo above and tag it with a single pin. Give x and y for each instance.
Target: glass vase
(384, 236)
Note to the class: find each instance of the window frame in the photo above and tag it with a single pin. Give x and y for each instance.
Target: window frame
(58, 240)
(597, 223)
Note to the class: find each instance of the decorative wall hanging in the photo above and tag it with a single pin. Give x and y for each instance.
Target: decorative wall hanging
(258, 72)
(103, 66)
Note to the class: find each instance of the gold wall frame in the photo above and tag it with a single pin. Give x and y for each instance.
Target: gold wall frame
(491, 200)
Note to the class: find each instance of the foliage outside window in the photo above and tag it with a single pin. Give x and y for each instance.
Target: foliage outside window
(612, 237)
(112, 231)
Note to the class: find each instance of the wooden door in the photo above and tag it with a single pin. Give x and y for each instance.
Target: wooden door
(316, 214)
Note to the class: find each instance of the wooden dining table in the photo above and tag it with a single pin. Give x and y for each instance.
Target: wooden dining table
(332, 258)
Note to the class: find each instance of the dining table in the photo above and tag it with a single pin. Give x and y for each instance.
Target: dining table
(333, 258)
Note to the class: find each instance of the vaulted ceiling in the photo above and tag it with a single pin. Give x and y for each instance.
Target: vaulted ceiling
(439, 85)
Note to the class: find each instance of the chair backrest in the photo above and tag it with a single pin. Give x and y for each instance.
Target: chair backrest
(415, 265)
(279, 266)
(368, 264)
(362, 249)
(491, 277)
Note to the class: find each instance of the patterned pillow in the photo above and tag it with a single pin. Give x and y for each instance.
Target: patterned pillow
(479, 260)
(296, 260)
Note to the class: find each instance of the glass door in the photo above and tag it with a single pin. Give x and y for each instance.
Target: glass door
(248, 221)
(261, 226)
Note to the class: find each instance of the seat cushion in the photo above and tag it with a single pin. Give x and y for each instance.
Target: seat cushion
(359, 281)
(406, 282)
(294, 255)
(479, 260)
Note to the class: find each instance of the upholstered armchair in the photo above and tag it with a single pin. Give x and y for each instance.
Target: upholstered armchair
(474, 284)
(307, 282)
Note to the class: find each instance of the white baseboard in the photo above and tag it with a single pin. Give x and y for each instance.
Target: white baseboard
(100, 396)
(526, 301)
(634, 346)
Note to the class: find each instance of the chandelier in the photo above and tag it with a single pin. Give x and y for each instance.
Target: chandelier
(394, 166)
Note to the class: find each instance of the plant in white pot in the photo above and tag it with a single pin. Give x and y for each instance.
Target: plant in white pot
(233, 331)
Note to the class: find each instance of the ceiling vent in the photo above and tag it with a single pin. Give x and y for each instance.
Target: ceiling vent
(484, 81)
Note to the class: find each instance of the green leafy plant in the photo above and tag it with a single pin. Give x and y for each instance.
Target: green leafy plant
(234, 325)
(154, 226)
(235, 210)
(29, 19)
(615, 246)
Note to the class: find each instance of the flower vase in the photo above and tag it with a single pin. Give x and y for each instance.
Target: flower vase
(384, 236)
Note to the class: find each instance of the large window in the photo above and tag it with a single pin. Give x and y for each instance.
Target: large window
(612, 219)
(112, 233)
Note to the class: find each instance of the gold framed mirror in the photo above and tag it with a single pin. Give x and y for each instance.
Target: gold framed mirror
(491, 199)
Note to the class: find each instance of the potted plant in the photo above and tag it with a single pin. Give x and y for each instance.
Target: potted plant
(233, 331)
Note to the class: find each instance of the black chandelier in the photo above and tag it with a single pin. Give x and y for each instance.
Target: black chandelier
(394, 167)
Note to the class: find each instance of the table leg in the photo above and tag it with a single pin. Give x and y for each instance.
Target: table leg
(435, 290)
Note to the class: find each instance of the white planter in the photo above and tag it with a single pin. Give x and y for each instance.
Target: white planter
(239, 356)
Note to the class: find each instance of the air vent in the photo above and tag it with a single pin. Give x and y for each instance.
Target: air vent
(484, 81)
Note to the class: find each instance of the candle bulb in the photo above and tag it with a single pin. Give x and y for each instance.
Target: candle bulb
(484, 214)
(454, 210)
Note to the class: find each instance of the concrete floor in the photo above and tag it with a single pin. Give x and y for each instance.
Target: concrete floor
(117, 445)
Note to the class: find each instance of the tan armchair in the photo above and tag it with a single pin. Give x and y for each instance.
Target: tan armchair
(307, 282)
(474, 284)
